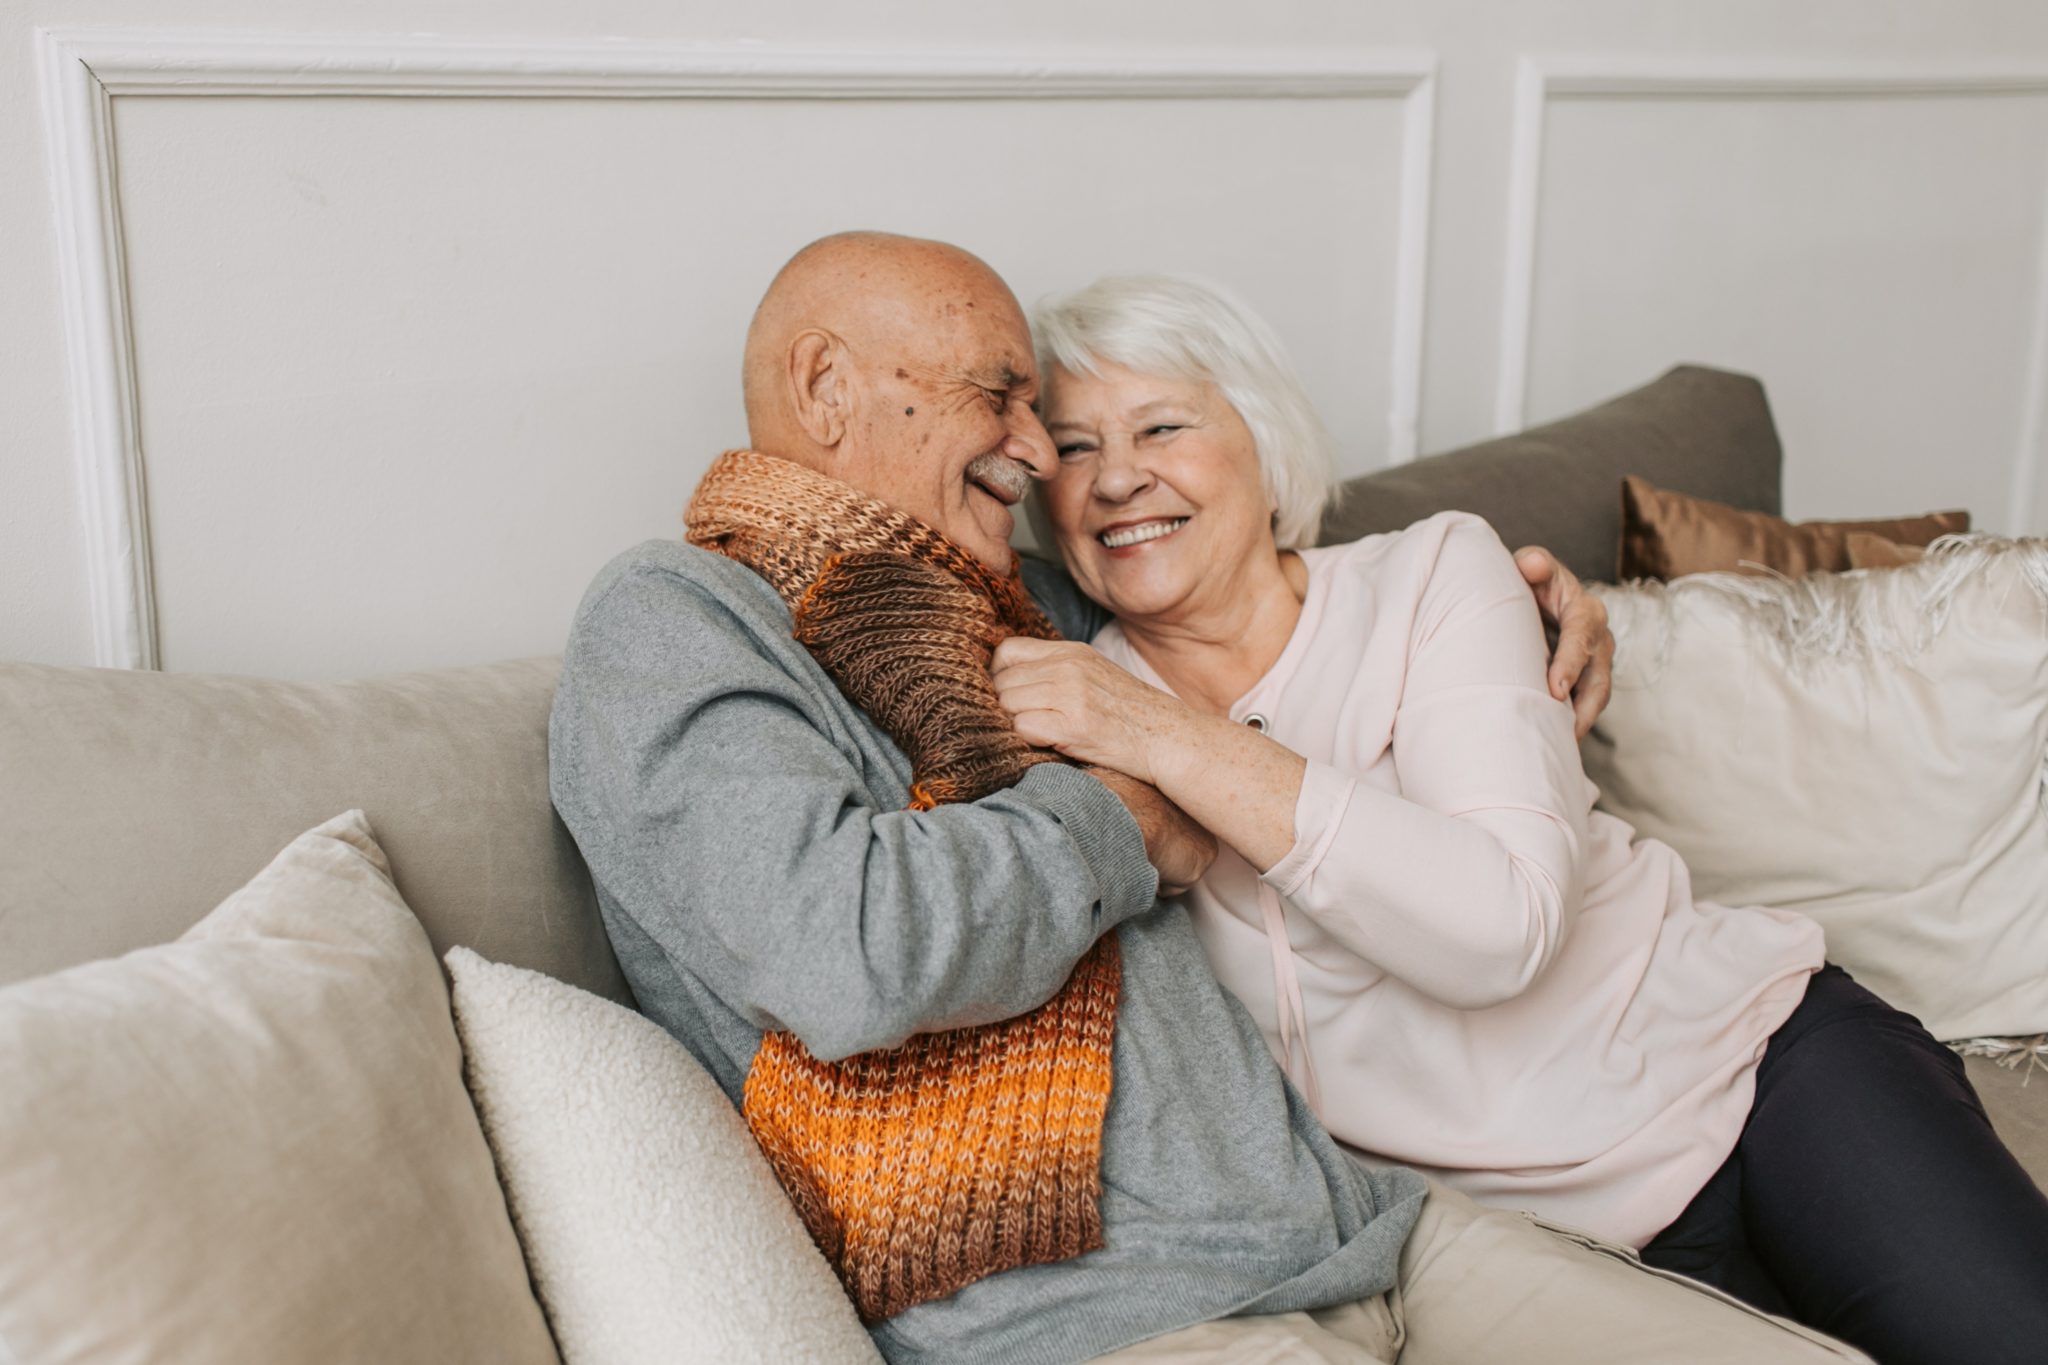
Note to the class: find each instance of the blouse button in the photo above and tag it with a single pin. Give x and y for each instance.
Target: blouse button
(1256, 721)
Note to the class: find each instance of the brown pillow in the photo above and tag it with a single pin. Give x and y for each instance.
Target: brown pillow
(1867, 551)
(1666, 535)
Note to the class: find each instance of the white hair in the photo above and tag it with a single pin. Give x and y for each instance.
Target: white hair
(1186, 329)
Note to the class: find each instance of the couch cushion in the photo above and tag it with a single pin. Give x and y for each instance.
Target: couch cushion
(1865, 748)
(1667, 535)
(133, 802)
(1867, 551)
(1695, 430)
(253, 1145)
(655, 1230)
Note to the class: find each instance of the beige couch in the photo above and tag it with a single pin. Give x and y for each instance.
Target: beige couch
(133, 802)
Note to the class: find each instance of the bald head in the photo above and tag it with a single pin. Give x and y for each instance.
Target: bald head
(869, 289)
(903, 367)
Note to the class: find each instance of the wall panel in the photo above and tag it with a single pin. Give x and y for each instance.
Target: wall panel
(378, 346)
(408, 370)
(1873, 250)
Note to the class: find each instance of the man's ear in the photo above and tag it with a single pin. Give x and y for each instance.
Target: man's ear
(821, 388)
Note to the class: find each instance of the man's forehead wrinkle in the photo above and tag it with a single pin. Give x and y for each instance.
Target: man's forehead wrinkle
(1001, 373)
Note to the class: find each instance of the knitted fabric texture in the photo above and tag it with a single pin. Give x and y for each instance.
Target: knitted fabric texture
(921, 1168)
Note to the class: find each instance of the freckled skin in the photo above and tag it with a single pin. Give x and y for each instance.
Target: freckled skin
(859, 326)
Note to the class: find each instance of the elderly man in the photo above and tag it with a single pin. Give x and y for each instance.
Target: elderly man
(994, 1073)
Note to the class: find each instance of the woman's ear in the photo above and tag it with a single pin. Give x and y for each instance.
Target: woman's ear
(821, 389)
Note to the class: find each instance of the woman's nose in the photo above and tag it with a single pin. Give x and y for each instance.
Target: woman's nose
(1120, 472)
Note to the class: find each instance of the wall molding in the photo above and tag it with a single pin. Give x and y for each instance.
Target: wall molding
(85, 70)
(99, 346)
(1411, 270)
(1543, 80)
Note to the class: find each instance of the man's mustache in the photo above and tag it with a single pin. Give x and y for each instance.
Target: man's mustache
(1001, 475)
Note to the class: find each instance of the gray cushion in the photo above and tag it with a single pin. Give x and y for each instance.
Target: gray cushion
(1695, 430)
(135, 802)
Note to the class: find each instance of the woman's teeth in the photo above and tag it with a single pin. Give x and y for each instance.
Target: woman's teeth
(1134, 535)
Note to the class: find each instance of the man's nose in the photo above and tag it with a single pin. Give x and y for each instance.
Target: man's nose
(1029, 444)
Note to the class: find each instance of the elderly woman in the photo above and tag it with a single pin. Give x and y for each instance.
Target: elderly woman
(1462, 965)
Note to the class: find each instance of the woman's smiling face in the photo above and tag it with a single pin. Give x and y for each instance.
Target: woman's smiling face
(1158, 502)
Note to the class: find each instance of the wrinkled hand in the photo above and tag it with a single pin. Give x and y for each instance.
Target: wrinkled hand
(1582, 665)
(1066, 697)
(1178, 849)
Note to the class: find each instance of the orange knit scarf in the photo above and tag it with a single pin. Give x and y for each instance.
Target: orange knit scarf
(921, 1168)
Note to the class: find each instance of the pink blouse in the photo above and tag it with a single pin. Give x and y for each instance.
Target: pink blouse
(1464, 966)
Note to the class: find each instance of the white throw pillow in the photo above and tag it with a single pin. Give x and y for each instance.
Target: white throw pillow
(252, 1145)
(1866, 748)
(654, 1228)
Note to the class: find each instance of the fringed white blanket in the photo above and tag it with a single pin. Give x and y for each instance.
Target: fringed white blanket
(1899, 612)
(2012, 1053)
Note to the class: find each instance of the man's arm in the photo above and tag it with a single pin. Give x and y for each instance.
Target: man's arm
(1582, 660)
(718, 797)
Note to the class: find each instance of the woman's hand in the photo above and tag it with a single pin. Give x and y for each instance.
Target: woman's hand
(1231, 780)
(1065, 696)
(1582, 665)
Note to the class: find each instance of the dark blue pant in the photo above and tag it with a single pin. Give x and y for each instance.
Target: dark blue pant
(1868, 1196)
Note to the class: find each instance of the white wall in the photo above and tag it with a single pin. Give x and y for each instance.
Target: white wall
(407, 369)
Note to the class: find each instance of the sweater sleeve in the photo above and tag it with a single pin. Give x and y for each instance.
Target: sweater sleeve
(720, 800)
(1072, 612)
(1463, 883)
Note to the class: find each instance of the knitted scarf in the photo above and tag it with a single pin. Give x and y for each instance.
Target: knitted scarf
(921, 1168)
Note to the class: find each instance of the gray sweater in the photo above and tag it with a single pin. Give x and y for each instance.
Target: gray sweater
(757, 869)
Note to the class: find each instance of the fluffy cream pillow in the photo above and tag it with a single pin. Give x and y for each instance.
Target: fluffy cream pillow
(252, 1145)
(1866, 748)
(654, 1227)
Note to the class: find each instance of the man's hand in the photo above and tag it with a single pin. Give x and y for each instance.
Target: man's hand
(1582, 665)
(1178, 848)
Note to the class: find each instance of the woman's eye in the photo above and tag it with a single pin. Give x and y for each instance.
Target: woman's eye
(1072, 448)
(1162, 429)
